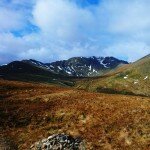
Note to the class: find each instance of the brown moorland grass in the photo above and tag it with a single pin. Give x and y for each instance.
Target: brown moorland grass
(30, 112)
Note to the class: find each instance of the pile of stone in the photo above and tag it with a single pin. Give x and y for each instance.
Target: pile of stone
(59, 142)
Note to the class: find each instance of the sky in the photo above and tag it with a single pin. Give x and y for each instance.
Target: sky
(50, 30)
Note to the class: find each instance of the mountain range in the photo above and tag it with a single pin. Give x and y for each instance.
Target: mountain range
(97, 74)
(76, 66)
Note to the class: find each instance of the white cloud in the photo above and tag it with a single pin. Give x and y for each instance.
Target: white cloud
(114, 27)
(132, 51)
(127, 16)
(62, 19)
(10, 20)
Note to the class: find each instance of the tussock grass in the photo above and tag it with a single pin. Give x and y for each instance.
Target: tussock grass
(30, 112)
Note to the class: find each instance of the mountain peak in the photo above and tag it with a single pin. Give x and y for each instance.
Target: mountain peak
(86, 66)
(76, 66)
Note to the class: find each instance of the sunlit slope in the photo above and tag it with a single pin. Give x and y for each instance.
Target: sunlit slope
(130, 79)
(30, 112)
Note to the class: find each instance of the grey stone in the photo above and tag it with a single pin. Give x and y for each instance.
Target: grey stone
(59, 142)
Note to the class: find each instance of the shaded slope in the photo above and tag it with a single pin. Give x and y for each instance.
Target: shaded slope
(86, 67)
(80, 66)
(20, 70)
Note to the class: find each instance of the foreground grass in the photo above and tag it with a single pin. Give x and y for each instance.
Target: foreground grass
(30, 112)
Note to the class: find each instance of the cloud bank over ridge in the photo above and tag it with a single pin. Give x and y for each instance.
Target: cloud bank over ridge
(48, 30)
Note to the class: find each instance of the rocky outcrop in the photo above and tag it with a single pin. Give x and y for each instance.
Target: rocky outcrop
(59, 142)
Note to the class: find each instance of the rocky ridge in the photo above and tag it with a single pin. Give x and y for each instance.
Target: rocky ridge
(80, 66)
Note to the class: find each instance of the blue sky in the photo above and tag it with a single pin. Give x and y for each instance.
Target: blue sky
(49, 30)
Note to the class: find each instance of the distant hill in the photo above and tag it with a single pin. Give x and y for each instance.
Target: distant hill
(73, 67)
(86, 67)
(25, 71)
(80, 66)
(129, 79)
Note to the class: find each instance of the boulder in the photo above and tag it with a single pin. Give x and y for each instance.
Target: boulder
(59, 142)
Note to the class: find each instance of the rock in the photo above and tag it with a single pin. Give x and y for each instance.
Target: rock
(59, 142)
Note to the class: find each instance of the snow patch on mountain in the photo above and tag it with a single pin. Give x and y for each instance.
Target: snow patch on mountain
(80, 66)
(125, 77)
(145, 77)
(60, 68)
(101, 59)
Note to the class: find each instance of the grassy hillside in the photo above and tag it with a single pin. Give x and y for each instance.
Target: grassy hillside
(30, 112)
(129, 79)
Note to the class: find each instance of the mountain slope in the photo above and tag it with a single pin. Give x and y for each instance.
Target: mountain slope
(80, 66)
(130, 79)
(25, 71)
